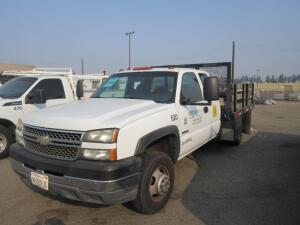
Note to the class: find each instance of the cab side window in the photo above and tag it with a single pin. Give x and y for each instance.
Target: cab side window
(191, 91)
(51, 88)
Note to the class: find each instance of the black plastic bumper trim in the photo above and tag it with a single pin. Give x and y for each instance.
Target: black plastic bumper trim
(86, 169)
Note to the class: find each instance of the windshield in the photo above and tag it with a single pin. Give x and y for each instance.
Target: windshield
(16, 87)
(156, 86)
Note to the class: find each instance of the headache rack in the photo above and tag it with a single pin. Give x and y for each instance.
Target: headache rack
(10, 74)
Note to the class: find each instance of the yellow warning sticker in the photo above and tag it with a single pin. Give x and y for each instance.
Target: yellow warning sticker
(214, 111)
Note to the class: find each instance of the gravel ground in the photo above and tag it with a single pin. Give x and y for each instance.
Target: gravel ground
(257, 183)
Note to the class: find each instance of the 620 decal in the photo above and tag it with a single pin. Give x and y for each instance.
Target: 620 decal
(174, 117)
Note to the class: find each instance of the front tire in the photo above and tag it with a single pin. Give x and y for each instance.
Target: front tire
(156, 183)
(6, 139)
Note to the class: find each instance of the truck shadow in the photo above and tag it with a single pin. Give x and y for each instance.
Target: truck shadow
(257, 182)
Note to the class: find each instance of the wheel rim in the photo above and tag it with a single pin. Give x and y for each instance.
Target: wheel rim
(159, 183)
(3, 142)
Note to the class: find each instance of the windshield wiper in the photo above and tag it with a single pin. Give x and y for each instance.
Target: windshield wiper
(131, 97)
(4, 96)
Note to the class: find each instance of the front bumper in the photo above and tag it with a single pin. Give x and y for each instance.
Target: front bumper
(81, 180)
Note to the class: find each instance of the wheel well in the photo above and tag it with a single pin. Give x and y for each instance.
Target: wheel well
(8, 124)
(167, 144)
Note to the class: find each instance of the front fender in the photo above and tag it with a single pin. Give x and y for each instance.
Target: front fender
(146, 140)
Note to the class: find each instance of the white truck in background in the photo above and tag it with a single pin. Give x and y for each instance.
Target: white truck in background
(26, 91)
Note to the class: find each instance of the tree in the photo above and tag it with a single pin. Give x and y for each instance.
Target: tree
(281, 78)
(259, 80)
(246, 78)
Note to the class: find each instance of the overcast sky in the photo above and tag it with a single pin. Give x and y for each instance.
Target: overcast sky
(58, 33)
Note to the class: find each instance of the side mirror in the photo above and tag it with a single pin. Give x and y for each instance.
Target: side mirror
(79, 89)
(36, 97)
(211, 89)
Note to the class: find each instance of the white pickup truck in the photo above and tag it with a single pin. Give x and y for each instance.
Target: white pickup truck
(121, 145)
(28, 91)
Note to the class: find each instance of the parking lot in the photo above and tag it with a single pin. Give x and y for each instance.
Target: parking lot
(255, 183)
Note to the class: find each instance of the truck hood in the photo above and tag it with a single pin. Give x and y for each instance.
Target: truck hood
(92, 114)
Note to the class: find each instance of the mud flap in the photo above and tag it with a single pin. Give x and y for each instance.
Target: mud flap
(232, 129)
(247, 122)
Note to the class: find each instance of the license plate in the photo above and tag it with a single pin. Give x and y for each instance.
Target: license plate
(40, 180)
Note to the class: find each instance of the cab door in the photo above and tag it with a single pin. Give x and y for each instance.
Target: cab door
(194, 114)
(51, 90)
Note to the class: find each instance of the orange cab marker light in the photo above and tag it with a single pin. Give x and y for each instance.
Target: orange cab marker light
(113, 154)
(142, 68)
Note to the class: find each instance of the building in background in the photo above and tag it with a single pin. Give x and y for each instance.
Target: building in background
(15, 67)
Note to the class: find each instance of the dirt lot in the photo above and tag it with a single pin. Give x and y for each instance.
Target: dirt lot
(255, 183)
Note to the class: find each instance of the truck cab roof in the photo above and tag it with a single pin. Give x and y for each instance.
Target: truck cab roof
(158, 69)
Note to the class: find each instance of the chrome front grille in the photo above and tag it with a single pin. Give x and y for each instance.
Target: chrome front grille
(56, 144)
(59, 135)
(52, 151)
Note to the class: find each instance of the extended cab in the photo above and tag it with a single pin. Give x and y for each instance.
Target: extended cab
(27, 91)
(121, 145)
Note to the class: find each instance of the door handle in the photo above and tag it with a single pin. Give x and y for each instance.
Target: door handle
(205, 109)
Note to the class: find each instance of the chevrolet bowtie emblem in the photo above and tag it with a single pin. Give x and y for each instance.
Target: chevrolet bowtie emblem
(44, 140)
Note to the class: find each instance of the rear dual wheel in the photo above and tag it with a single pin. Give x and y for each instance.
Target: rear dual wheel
(156, 183)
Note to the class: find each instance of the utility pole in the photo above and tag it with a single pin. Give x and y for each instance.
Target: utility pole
(232, 61)
(129, 34)
(82, 66)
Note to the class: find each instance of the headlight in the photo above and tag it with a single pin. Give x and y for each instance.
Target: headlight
(94, 154)
(102, 136)
(20, 125)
